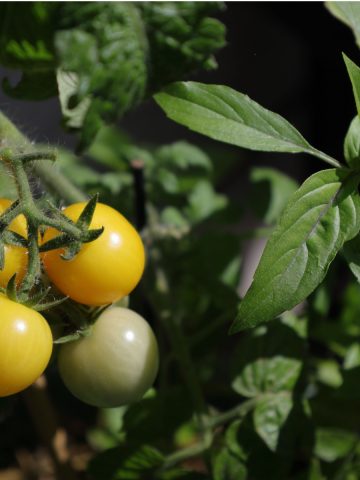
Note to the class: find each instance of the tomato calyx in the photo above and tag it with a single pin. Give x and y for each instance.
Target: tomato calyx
(72, 246)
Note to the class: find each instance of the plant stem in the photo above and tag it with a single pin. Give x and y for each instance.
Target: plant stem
(33, 267)
(326, 158)
(211, 423)
(12, 138)
(186, 453)
(239, 411)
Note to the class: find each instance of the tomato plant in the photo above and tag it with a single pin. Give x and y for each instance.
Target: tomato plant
(25, 346)
(15, 258)
(115, 363)
(240, 356)
(104, 270)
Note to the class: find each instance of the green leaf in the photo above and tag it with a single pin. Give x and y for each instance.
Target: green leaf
(268, 360)
(352, 144)
(204, 201)
(26, 43)
(183, 36)
(319, 218)
(125, 463)
(270, 414)
(270, 192)
(132, 55)
(68, 84)
(354, 74)
(349, 13)
(227, 466)
(224, 114)
(332, 443)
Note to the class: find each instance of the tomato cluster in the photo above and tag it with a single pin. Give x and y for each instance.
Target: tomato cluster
(117, 361)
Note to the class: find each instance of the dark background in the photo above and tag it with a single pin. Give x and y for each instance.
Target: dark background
(285, 55)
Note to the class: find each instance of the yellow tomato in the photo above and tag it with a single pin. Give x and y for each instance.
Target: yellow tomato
(25, 346)
(16, 258)
(104, 270)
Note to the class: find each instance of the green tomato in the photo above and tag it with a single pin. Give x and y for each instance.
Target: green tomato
(115, 364)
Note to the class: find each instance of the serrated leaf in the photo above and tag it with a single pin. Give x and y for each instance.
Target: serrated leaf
(268, 360)
(224, 114)
(349, 13)
(124, 463)
(354, 74)
(332, 443)
(270, 414)
(68, 84)
(227, 466)
(319, 218)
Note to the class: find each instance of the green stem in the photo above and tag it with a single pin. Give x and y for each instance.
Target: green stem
(11, 138)
(211, 423)
(237, 412)
(326, 158)
(22, 183)
(60, 224)
(33, 267)
(186, 453)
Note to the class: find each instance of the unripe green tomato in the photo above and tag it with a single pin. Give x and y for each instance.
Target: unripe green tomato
(115, 364)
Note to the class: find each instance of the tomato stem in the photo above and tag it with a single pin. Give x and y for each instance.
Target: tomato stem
(33, 267)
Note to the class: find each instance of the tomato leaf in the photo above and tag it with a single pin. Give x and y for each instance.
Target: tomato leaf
(227, 466)
(268, 360)
(270, 415)
(319, 218)
(224, 114)
(122, 463)
(332, 443)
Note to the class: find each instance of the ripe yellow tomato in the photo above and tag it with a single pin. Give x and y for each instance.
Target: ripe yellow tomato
(16, 258)
(25, 346)
(104, 270)
(115, 364)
